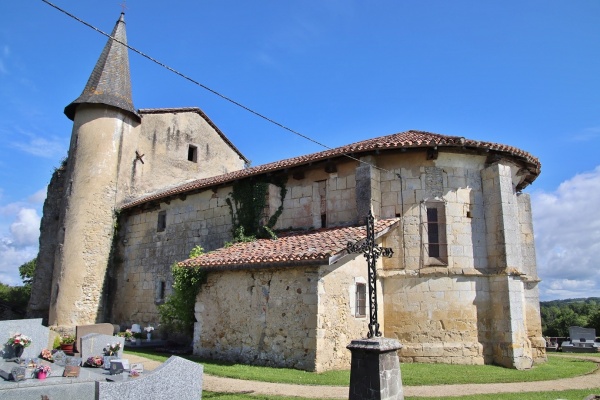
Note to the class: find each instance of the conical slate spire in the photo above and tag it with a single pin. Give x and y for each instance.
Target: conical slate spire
(109, 83)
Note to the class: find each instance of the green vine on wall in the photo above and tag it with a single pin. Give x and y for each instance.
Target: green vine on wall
(177, 313)
(247, 202)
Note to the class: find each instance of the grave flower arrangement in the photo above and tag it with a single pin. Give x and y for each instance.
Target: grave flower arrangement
(47, 355)
(112, 349)
(94, 362)
(128, 335)
(18, 339)
(149, 329)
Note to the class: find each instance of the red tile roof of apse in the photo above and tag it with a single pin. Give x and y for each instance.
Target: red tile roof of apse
(323, 246)
(404, 140)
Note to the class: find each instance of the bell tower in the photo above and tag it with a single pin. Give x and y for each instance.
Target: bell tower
(103, 118)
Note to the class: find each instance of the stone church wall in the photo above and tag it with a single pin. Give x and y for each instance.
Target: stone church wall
(318, 192)
(268, 318)
(337, 323)
(437, 319)
(142, 273)
(162, 142)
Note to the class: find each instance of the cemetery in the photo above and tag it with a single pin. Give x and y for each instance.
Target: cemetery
(96, 371)
(581, 340)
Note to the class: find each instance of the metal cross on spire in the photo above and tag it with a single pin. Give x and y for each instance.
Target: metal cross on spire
(123, 6)
(371, 252)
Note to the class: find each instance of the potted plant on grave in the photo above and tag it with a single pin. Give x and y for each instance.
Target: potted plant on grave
(67, 343)
(42, 371)
(138, 337)
(18, 342)
(128, 335)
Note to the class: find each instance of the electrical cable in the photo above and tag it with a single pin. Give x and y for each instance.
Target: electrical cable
(236, 103)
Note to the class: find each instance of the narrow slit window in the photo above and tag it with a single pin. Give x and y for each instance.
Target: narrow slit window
(361, 300)
(323, 202)
(192, 153)
(159, 295)
(433, 232)
(161, 224)
(435, 247)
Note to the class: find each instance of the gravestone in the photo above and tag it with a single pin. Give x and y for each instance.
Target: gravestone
(93, 344)
(29, 327)
(176, 378)
(72, 361)
(18, 374)
(581, 335)
(60, 358)
(83, 330)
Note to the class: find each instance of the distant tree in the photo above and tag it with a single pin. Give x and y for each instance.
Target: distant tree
(27, 271)
(594, 321)
(559, 315)
(14, 299)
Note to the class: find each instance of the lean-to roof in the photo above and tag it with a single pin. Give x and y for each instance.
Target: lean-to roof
(305, 248)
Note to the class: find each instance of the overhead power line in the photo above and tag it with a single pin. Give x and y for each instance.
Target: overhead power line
(195, 82)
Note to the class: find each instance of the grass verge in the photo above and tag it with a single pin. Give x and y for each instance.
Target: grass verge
(563, 395)
(412, 374)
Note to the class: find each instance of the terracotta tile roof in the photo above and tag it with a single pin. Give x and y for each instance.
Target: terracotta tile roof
(405, 140)
(318, 247)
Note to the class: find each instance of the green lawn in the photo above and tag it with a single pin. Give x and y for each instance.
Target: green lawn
(563, 395)
(558, 366)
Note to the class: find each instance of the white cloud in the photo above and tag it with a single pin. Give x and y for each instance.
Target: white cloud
(587, 134)
(11, 258)
(39, 145)
(26, 229)
(567, 227)
(38, 197)
(19, 235)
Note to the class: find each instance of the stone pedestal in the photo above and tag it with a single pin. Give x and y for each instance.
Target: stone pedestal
(375, 371)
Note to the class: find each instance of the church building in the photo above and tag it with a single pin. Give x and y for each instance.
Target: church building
(140, 188)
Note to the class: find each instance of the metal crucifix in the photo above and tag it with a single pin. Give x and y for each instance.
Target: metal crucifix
(371, 252)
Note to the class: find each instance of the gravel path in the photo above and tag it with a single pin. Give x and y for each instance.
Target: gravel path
(228, 385)
(219, 384)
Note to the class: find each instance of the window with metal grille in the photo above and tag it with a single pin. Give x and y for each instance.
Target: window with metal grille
(361, 300)
(435, 248)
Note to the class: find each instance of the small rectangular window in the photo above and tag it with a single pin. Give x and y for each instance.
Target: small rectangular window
(161, 224)
(435, 247)
(159, 294)
(192, 153)
(433, 232)
(361, 300)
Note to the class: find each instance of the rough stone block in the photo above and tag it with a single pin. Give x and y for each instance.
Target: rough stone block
(177, 379)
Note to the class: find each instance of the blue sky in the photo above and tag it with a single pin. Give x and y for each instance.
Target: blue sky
(523, 73)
